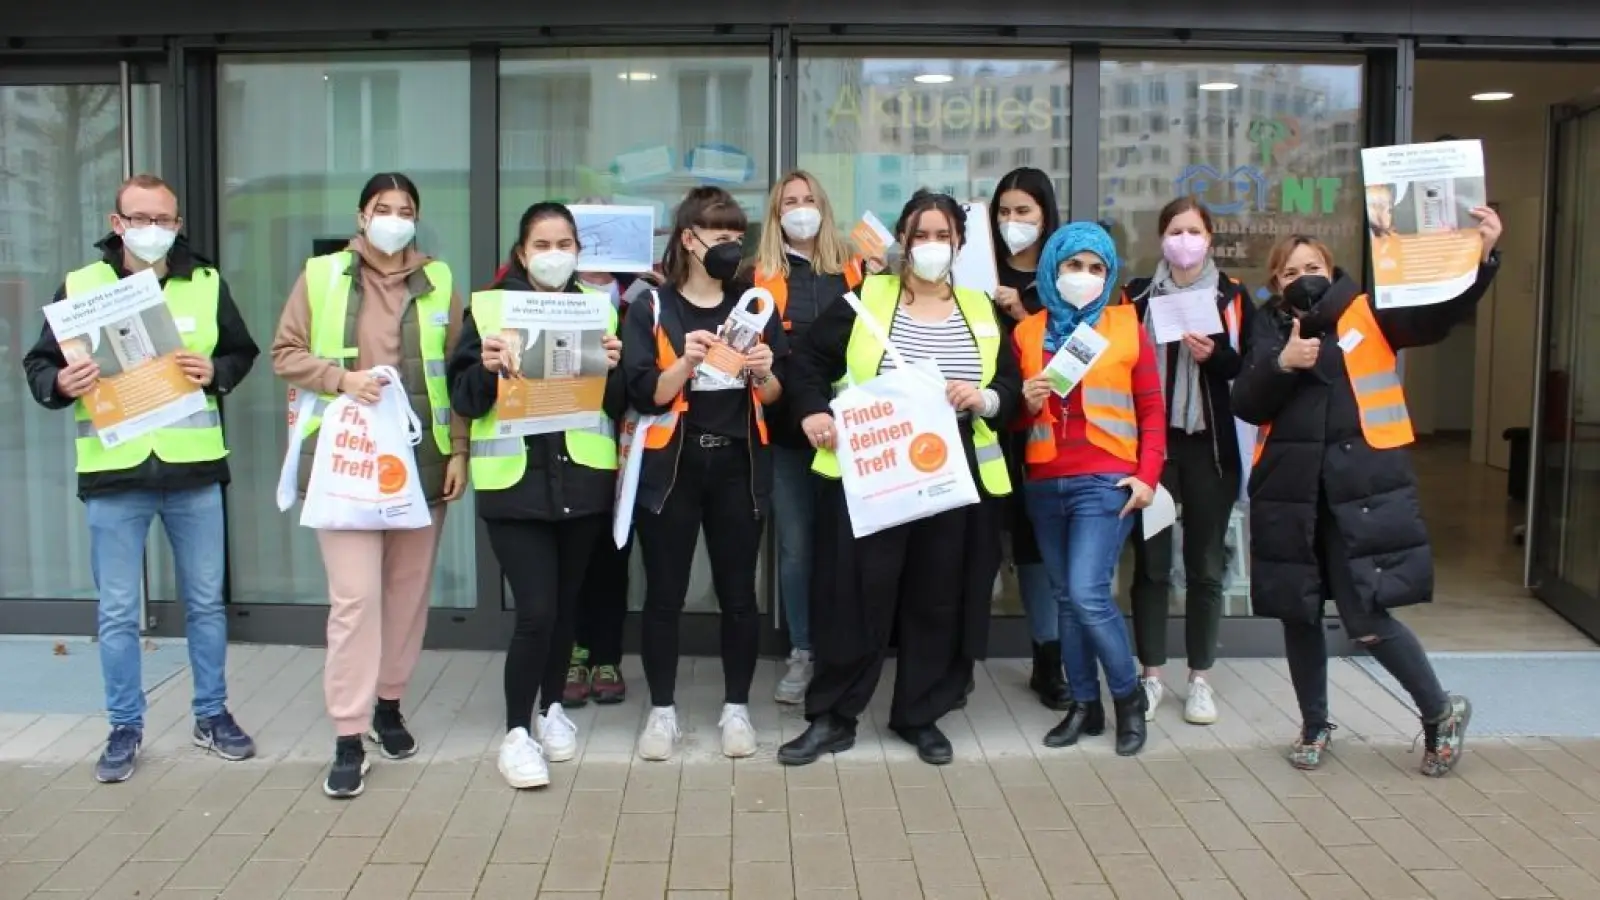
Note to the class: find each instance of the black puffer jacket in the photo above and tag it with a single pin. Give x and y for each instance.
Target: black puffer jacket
(1316, 449)
(553, 488)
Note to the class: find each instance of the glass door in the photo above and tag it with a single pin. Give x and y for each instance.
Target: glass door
(68, 137)
(1565, 542)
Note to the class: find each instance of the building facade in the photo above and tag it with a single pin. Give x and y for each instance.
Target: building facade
(269, 117)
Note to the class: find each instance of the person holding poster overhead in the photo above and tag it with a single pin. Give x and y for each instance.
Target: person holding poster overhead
(1022, 216)
(706, 463)
(1334, 506)
(931, 578)
(379, 302)
(176, 472)
(1096, 443)
(805, 263)
(545, 498)
(1203, 463)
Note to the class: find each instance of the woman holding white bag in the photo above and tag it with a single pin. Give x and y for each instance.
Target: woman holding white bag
(379, 302)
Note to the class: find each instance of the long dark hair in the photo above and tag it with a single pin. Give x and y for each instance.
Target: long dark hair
(389, 181)
(708, 208)
(532, 216)
(923, 201)
(1036, 184)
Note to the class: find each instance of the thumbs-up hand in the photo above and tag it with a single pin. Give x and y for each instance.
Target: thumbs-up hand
(1298, 352)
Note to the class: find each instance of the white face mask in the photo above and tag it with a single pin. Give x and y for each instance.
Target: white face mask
(149, 243)
(1018, 236)
(801, 223)
(552, 268)
(931, 262)
(1080, 288)
(390, 234)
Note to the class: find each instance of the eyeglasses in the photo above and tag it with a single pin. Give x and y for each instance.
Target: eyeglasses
(139, 220)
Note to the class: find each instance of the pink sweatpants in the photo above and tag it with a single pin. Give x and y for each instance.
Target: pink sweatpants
(378, 588)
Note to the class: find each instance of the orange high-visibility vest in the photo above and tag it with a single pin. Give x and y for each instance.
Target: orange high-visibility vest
(777, 284)
(1107, 388)
(659, 435)
(1374, 376)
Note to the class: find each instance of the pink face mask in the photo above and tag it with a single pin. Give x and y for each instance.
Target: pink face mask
(1184, 251)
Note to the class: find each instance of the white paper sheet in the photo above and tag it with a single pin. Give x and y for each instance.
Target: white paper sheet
(1159, 515)
(1187, 312)
(974, 265)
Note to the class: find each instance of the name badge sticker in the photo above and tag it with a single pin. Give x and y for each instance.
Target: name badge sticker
(1351, 340)
(441, 319)
(985, 330)
(185, 324)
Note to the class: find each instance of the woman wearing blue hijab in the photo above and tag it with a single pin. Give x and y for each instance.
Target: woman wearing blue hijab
(1093, 458)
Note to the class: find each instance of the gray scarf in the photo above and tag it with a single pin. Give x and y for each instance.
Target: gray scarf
(1184, 406)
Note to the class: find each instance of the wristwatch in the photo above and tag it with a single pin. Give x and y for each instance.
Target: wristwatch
(760, 380)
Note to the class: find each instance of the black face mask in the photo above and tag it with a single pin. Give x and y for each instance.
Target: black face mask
(722, 261)
(1305, 291)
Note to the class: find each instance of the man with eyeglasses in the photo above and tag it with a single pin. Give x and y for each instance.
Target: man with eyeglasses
(176, 472)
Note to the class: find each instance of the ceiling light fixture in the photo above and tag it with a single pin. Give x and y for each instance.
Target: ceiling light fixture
(637, 76)
(1219, 86)
(933, 78)
(1491, 96)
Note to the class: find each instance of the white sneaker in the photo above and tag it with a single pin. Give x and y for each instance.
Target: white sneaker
(1153, 692)
(660, 734)
(1201, 707)
(792, 687)
(557, 734)
(522, 762)
(738, 735)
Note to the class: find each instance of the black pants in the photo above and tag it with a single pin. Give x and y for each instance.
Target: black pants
(1207, 499)
(544, 562)
(1390, 642)
(711, 492)
(603, 603)
(909, 584)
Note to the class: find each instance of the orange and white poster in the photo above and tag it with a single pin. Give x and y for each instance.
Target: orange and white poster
(130, 333)
(557, 379)
(1425, 241)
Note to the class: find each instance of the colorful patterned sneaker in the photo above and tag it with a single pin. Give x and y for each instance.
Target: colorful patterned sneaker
(606, 685)
(1445, 739)
(576, 693)
(1307, 749)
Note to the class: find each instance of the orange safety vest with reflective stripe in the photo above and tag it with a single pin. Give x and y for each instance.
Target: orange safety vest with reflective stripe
(1112, 422)
(777, 284)
(659, 435)
(1374, 376)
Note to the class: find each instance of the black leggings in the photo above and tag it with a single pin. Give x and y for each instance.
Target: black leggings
(545, 564)
(603, 605)
(1390, 642)
(712, 492)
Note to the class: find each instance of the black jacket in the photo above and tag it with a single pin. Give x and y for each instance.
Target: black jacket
(1317, 452)
(819, 361)
(1219, 369)
(659, 468)
(231, 360)
(553, 487)
(810, 292)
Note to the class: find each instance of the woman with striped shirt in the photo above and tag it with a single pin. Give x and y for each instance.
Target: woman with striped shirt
(929, 580)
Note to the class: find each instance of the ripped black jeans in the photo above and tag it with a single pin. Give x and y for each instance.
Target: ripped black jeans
(1390, 642)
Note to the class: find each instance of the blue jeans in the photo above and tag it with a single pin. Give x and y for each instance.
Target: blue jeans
(1080, 536)
(794, 508)
(1038, 602)
(118, 526)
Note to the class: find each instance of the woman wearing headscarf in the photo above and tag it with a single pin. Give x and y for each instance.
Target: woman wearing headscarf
(1334, 507)
(1093, 459)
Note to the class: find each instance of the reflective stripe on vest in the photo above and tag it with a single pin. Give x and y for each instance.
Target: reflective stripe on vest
(195, 438)
(1373, 371)
(777, 284)
(880, 296)
(1110, 420)
(328, 290)
(497, 463)
(659, 435)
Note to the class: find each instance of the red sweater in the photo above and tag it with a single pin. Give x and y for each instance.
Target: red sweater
(1076, 456)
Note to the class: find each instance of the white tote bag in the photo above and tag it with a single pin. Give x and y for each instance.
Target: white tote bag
(364, 474)
(630, 458)
(899, 446)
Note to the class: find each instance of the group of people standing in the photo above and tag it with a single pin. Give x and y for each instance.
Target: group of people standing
(1296, 403)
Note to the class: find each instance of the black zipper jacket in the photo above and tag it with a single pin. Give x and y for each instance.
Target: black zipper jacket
(810, 293)
(231, 360)
(553, 487)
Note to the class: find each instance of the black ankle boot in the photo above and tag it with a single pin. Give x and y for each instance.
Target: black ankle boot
(1047, 680)
(1130, 722)
(1083, 718)
(827, 734)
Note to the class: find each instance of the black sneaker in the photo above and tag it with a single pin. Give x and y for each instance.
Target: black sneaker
(222, 735)
(389, 731)
(347, 777)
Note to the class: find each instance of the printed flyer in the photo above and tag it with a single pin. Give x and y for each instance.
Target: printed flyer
(557, 377)
(1425, 241)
